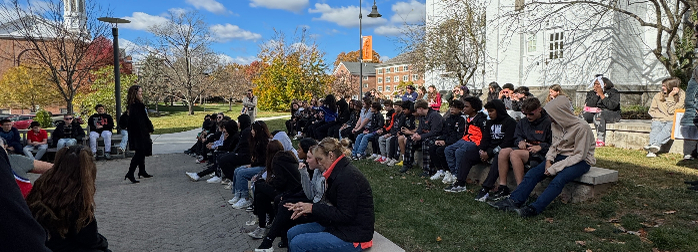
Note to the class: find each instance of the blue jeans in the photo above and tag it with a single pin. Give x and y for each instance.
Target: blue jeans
(65, 142)
(124, 139)
(361, 144)
(311, 237)
(242, 175)
(690, 103)
(454, 154)
(537, 174)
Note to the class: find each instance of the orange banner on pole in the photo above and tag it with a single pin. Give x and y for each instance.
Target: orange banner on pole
(367, 48)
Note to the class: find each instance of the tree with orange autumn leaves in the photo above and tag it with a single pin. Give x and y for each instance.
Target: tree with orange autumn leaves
(353, 56)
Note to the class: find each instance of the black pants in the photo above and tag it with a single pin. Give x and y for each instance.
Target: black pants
(231, 161)
(264, 195)
(138, 159)
(438, 157)
(470, 158)
(283, 222)
(394, 147)
(290, 126)
(346, 133)
(323, 130)
(493, 174)
(374, 144)
(334, 130)
(213, 167)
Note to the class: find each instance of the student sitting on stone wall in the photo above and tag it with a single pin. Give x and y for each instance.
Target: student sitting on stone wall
(453, 130)
(602, 106)
(662, 111)
(370, 132)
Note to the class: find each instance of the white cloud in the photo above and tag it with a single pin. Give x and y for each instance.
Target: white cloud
(240, 60)
(289, 5)
(408, 12)
(209, 5)
(227, 32)
(134, 50)
(389, 30)
(177, 11)
(385, 58)
(345, 16)
(143, 21)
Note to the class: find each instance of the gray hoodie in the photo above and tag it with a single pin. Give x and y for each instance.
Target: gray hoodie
(314, 189)
(572, 136)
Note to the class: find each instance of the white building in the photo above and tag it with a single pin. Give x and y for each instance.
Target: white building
(568, 49)
(74, 15)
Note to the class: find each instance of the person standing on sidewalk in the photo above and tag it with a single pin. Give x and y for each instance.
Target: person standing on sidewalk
(249, 105)
(139, 129)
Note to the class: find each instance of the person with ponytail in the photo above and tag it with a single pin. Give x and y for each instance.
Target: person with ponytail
(139, 129)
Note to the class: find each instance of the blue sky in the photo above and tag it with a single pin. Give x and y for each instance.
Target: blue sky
(239, 26)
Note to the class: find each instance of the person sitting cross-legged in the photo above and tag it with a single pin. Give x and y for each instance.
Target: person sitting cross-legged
(101, 124)
(570, 156)
(37, 139)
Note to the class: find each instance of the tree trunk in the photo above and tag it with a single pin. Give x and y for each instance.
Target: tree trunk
(191, 108)
(230, 104)
(69, 105)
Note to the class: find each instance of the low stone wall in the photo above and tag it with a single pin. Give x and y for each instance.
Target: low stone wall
(634, 134)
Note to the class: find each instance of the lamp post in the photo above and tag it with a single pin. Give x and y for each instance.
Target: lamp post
(117, 74)
(374, 14)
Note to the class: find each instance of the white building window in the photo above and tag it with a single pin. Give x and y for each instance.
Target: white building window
(397, 69)
(365, 77)
(387, 70)
(531, 42)
(387, 88)
(380, 88)
(387, 80)
(380, 70)
(405, 68)
(405, 78)
(556, 43)
(397, 78)
(365, 85)
(415, 77)
(380, 80)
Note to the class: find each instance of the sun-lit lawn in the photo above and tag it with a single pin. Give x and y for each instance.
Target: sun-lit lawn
(650, 198)
(176, 119)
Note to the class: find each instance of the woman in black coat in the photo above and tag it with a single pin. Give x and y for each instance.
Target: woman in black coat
(139, 129)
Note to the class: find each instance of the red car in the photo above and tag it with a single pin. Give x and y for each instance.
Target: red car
(22, 121)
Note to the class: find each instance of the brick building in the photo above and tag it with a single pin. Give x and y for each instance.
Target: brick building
(369, 74)
(392, 72)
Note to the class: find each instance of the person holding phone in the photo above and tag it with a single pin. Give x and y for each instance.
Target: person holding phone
(664, 104)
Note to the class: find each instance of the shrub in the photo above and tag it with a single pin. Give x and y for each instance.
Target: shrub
(44, 118)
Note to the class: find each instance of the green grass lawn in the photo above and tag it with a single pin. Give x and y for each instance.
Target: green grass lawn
(649, 198)
(176, 119)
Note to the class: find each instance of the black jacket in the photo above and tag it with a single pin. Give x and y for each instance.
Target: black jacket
(377, 122)
(88, 239)
(409, 122)
(397, 123)
(286, 179)
(243, 146)
(123, 121)
(498, 133)
(139, 128)
(610, 103)
(430, 125)
(105, 120)
(259, 154)
(76, 132)
(344, 113)
(453, 129)
(230, 142)
(350, 216)
(537, 132)
(19, 231)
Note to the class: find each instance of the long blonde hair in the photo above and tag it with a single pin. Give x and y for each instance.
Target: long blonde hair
(670, 84)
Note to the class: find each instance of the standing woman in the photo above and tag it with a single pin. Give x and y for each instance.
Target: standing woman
(139, 129)
(62, 201)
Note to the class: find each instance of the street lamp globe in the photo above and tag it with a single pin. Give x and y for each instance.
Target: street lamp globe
(374, 11)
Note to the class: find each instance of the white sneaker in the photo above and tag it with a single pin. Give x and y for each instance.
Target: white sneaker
(392, 162)
(258, 233)
(264, 250)
(653, 149)
(386, 161)
(448, 178)
(192, 176)
(228, 186)
(647, 147)
(651, 155)
(242, 203)
(213, 180)
(225, 181)
(378, 157)
(252, 222)
(373, 156)
(438, 175)
(688, 157)
(234, 200)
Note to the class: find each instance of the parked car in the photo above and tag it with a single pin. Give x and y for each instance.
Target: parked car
(22, 121)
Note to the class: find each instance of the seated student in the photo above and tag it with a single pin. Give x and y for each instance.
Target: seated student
(506, 96)
(231, 138)
(68, 132)
(369, 132)
(101, 124)
(407, 128)
(345, 129)
(123, 124)
(430, 125)
(69, 218)
(346, 221)
(291, 123)
(453, 130)
(520, 95)
(384, 140)
(330, 113)
(662, 111)
(259, 137)
(194, 150)
(569, 157)
(11, 136)
(602, 105)
(281, 179)
(475, 121)
(497, 134)
(313, 191)
(343, 116)
(37, 139)
(364, 118)
(238, 156)
(390, 116)
(532, 138)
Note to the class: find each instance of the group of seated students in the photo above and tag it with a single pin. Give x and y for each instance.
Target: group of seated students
(312, 198)
(67, 133)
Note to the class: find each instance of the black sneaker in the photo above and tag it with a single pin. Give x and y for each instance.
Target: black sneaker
(527, 211)
(694, 188)
(501, 193)
(691, 182)
(425, 175)
(404, 169)
(482, 195)
(505, 205)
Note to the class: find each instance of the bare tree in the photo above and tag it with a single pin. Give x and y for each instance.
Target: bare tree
(42, 39)
(344, 84)
(153, 78)
(183, 44)
(231, 82)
